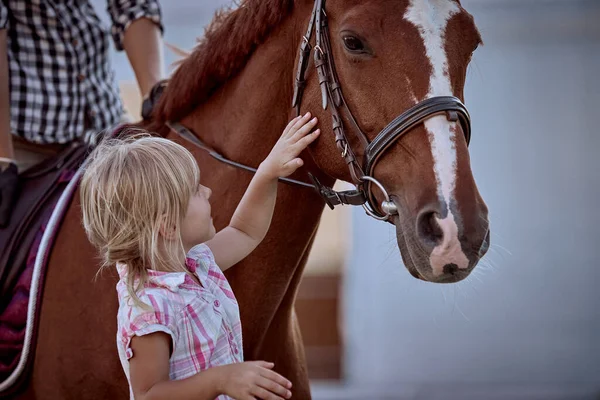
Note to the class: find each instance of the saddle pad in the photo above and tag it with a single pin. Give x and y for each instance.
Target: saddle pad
(19, 312)
(39, 187)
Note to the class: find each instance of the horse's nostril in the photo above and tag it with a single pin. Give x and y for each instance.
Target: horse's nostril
(429, 230)
(450, 269)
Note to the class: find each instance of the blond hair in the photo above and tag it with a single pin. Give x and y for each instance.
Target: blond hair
(131, 189)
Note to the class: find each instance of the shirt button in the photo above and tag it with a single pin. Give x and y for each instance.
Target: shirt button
(81, 77)
(217, 303)
(75, 42)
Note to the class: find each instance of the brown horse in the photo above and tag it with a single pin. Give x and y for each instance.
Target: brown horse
(234, 92)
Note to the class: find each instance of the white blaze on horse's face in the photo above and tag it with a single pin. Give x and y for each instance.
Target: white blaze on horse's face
(431, 18)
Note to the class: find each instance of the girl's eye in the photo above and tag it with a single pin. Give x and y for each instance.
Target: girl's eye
(353, 44)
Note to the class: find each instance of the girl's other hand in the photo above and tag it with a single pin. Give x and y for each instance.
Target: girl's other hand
(254, 379)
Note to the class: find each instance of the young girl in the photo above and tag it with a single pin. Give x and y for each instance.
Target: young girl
(179, 333)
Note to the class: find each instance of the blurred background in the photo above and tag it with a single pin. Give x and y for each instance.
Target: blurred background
(526, 323)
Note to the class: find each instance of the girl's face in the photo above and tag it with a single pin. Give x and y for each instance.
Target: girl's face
(197, 226)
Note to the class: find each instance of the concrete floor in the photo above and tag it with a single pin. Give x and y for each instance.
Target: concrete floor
(323, 390)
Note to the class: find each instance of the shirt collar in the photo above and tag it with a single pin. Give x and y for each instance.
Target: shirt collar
(169, 280)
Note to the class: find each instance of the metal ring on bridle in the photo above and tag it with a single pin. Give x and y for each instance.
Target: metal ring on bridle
(387, 206)
(317, 47)
(345, 152)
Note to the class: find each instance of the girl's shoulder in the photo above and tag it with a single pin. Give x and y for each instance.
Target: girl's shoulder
(201, 260)
(152, 299)
(201, 252)
(160, 295)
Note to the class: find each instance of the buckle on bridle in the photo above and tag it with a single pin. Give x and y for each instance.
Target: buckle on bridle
(333, 198)
(323, 191)
(345, 152)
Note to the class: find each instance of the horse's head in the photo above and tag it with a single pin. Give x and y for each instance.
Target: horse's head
(390, 55)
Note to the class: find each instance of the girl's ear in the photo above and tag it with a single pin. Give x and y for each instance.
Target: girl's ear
(167, 230)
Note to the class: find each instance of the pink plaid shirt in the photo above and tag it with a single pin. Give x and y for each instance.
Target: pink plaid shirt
(203, 321)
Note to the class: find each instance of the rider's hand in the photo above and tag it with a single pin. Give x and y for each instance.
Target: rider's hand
(151, 99)
(283, 159)
(8, 193)
(254, 380)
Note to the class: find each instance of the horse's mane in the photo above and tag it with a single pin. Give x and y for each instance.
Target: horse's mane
(228, 43)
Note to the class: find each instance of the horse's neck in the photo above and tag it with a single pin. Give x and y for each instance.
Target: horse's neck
(246, 116)
(244, 119)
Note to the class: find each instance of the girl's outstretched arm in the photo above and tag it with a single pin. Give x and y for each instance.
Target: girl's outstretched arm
(252, 218)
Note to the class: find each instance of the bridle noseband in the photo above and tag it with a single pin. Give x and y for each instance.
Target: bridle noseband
(333, 99)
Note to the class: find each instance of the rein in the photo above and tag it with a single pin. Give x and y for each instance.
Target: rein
(344, 197)
(186, 134)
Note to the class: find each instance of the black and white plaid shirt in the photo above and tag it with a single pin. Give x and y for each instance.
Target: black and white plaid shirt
(62, 85)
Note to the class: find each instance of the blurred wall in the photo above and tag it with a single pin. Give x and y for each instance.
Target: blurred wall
(526, 324)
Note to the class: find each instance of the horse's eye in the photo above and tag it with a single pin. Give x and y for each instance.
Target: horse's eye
(354, 44)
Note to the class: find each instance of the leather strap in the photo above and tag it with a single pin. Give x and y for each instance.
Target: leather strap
(449, 105)
(333, 198)
(305, 49)
(186, 134)
(334, 93)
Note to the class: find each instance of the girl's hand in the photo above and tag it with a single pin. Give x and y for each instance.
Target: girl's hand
(254, 380)
(283, 159)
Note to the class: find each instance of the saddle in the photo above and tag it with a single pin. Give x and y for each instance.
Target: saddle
(39, 191)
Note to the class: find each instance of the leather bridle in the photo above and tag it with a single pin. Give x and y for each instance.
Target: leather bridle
(333, 99)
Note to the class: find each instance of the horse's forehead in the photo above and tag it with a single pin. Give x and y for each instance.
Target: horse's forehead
(431, 16)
